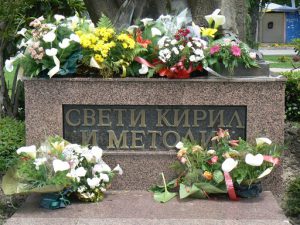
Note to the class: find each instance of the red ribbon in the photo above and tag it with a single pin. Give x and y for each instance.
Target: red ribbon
(230, 187)
(143, 61)
(271, 159)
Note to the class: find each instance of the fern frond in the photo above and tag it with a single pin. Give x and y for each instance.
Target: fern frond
(104, 21)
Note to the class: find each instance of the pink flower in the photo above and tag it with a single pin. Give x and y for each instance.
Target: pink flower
(236, 51)
(214, 49)
(213, 160)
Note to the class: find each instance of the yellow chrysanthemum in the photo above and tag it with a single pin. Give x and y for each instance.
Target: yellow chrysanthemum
(99, 58)
(208, 32)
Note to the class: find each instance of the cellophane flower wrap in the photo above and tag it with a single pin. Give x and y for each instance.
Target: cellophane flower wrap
(57, 165)
(218, 169)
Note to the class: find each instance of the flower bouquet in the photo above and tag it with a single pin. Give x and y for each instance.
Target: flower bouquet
(58, 166)
(229, 166)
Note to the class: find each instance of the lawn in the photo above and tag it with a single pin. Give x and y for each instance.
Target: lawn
(278, 61)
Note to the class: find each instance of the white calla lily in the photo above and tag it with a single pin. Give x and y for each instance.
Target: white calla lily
(256, 160)
(146, 21)
(93, 63)
(97, 153)
(59, 17)
(210, 18)
(55, 69)
(229, 164)
(9, 64)
(101, 167)
(59, 165)
(179, 145)
(80, 172)
(261, 141)
(104, 177)
(28, 150)
(118, 169)
(49, 37)
(75, 37)
(22, 44)
(155, 32)
(51, 52)
(65, 43)
(132, 28)
(265, 173)
(94, 182)
(144, 69)
(219, 21)
(22, 32)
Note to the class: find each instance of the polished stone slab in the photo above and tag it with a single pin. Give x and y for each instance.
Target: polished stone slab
(138, 207)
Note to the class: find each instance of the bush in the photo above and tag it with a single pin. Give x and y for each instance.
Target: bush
(12, 136)
(292, 200)
(292, 96)
(296, 43)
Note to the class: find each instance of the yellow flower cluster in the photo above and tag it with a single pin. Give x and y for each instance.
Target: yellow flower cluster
(208, 32)
(100, 40)
(127, 41)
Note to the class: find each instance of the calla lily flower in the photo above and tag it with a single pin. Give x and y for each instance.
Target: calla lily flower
(179, 145)
(101, 167)
(118, 169)
(59, 165)
(49, 37)
(229, 164)
(132, 28)
(29, 150)
(155, 32)
(144, 69)
(146, 21)
(9, 64)
(256, 160)
(59, 17)
(97, 153)
(22, 32)
(65, 43)
(51, 52)
(210, 18)
(75, 37)
(80, 172)
(104, 177)
(265, 173)
(22, 44)
(218, 19)
(261, 141)
(55, 69)
(95, 182)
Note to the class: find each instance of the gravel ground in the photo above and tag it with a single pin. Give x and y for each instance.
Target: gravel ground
(291, 168)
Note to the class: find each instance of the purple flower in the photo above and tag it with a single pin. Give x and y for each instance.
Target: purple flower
(214, 49)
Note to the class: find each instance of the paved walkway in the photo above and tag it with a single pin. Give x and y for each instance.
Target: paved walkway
(273, 51)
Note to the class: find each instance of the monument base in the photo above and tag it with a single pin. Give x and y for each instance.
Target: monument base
(138, 207)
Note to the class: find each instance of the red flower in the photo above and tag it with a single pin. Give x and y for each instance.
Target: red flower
(140, 39)
(213, 160)
(214, 49)
(236, 51)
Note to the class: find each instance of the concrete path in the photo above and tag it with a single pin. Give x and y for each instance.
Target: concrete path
(280, 70)
(139, 208)
(274, 51)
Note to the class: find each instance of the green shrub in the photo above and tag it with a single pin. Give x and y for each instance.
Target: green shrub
(292, 198)
(296, 44)
(292, 96)
(12, 136)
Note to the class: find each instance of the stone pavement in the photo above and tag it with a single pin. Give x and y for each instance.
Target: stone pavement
(277, 51)
(138, 207)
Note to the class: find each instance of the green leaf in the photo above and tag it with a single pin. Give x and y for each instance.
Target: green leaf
(218, 176)
(163, 196)
(161, 188)
(209, 188)
(185, 191)
(105, 22)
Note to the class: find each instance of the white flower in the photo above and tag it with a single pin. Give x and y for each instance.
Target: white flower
(22, 32)
(161, 41)
(75, 37)
(219, 21)
(213, 17)
(51, 52)
(175, 50)
(65, 43)
(87, 155)
(93, 63)
(199, 52)
(144, 69)
(189, 44)
(39, 161)
(261, 141)
(252, 55)
(192, 58)
(80, 172)
(97, 153)
(211, 152)
(58, 17)
(174, 42)
(104, 177)
(179, 145)
(181, 47)
(49, 37)
(73, 148)
(256, 160)
(155, 32)
(95, 182)
(55, 69)
(118, 169)
(146, 21)
(101, 167)
(59, 165)
(132, 28)
(41, 18)
(22, 44)
(9, 64)
(81, 189)
(28, 150)
(265, 173)
(163, 17)
(229, 164)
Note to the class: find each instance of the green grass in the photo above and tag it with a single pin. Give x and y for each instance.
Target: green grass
(277, 61)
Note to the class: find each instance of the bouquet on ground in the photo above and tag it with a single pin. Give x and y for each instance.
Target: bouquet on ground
(58, 165)
(229, 166)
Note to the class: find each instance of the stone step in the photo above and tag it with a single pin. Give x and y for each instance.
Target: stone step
(138, 207)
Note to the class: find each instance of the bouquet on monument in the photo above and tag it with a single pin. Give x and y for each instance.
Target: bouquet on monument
(58, 165)
(229, 166)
